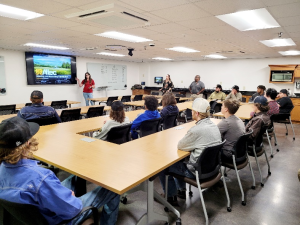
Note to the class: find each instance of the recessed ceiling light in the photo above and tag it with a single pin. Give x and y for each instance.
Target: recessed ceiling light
(182, 49)
(161, 58)
(291, 52)
(214, 56)
(279, 42)
(46, 46)
(123, 37)
(250, 20)
(17, 13)
(110, 54)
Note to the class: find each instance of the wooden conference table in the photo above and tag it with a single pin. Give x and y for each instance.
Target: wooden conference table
(21, 105)
(243, 112)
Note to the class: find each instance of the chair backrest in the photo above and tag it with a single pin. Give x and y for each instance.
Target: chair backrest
(110, 100)
(149, 127)
(240, 146)
(259, 138)
(189, 115)
(59, 104)
(177, 99)
(209, 162)
(21, 214)
(95, 111)
(30, 103)
(243, 99)
(7, 109)
(170, 121)
(119, 134)
(70, 115)
(138, 98)
(180, 95)
(126, 98)
(44, 121)
(154, 93)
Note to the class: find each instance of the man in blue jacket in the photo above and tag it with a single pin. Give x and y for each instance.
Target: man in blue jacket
(151, 112)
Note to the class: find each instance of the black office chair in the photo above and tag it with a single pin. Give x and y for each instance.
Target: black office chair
(270, 132)
(138, 98)
(149, 127)
(212, 104)
(110, 100)
(126, 98)
(187, 116)
(208, 173)
(30, 103)
(169, 121)
(44, 121)
(70, 115)
(154, 93)
(119, 134)
(177, 99)
(7, 109)
(24, 214)
(94, 112)
(180, 95)
(243, 99)
(240, 160)
(59, 104)
(256, 149)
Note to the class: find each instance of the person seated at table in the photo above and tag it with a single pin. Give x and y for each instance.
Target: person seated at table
(218, 94)
(167, 85)
(260, 92)
(260, 117)
(271, 94)
(150, 113)
(37, 109)
(235, 94)
(117, 118)
(24, 182)
(204, 134)
(169, 105)
(231, 128)
(285, 103)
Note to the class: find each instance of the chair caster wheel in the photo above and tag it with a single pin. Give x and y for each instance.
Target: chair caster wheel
(228, 209)
(243, 203)
(191, 194)
(166, 209)
(167, 223)
(277, 150)
(124, 201)
(275, 144)
(294, 139)
(225, 174)
(253, 187)
(286, 134)
(269, 172)
(178, 221)
(261, 184)
(272, 156)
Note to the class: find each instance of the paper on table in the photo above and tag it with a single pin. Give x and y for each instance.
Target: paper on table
(88, 139)
(179, 128)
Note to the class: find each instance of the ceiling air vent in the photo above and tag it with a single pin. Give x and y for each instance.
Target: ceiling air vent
(92, 14)
(134, 16)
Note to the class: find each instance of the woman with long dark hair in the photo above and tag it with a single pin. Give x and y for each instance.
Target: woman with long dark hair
(88, 84)
(167, 85)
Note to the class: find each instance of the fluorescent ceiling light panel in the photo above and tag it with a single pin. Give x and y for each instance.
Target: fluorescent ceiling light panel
(45, 46)
(250, 20)
(110, 54)
(161, 58)
(291, 52)
(122, 36)
(213, 56)
(182, 49)
(17, 13)
(279, 42)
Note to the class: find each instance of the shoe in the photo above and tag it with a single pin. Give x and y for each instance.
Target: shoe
(181, 194)
(173, 200)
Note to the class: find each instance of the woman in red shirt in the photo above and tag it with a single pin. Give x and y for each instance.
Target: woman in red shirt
(89, 84)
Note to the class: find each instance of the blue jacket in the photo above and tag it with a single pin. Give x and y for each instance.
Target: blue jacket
(169, 110)
(147, 115)
(27, 183)
(36, 111)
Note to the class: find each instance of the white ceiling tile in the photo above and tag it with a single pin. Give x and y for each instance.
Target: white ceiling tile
(88, 29)
(165, 28)
(210, 21)
(289, 21)
(286, 10)
(75, 2)
(278, 2)
(291, 29)
(53, 21)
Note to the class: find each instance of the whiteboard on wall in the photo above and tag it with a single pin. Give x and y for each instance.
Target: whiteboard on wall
(110, 75)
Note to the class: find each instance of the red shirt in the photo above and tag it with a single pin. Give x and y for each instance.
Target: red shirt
(87, 86)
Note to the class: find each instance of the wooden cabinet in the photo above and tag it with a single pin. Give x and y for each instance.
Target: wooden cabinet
(141, 92)
(285, 67)
(297, 72)
(295, 115)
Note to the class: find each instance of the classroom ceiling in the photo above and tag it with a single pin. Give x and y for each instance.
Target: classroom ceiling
(187, 23)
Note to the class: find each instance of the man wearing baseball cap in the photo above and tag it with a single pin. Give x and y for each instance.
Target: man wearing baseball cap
(37, 109)
(205, 133)
(24, 182)
(218, 94)
(235, 94)
(284, 102)
(260, 92)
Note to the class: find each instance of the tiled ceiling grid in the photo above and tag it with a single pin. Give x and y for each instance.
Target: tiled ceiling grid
(188, 23)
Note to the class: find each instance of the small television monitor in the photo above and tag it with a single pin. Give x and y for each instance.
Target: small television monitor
(158, 80)
(43, 69)
(143, 83)
(282, 76)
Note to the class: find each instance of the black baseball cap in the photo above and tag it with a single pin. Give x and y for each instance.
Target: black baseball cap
(219, 86)
(261, 100)
(36, 95)
(284, 91)
(236, 87)
(16, 131)
(117, 106)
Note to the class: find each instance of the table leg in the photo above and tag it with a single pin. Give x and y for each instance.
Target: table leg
(69, 105)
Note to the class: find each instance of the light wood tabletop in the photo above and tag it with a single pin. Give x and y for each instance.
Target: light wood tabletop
(243, 112)
(21, 105)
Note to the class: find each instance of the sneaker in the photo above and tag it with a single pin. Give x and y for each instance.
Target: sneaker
(173, 200)
(181, 194)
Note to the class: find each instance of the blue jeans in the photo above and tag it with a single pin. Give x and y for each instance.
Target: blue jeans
(86, 96)
(97, 198)
(174, 184)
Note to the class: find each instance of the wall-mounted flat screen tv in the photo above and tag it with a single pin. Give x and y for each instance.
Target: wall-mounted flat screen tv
(43, 69)
(282, 76)
(158, 80)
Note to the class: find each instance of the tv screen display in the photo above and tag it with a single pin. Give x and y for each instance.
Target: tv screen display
(158, 80)
(45, 69)
(282, 76)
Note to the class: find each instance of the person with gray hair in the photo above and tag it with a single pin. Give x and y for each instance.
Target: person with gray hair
(197, 88)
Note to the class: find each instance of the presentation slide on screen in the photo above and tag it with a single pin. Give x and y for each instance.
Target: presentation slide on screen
(51, 69)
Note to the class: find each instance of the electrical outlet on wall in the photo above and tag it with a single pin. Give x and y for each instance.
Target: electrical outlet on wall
(182, 81)
(244, 88)
(220, 82)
